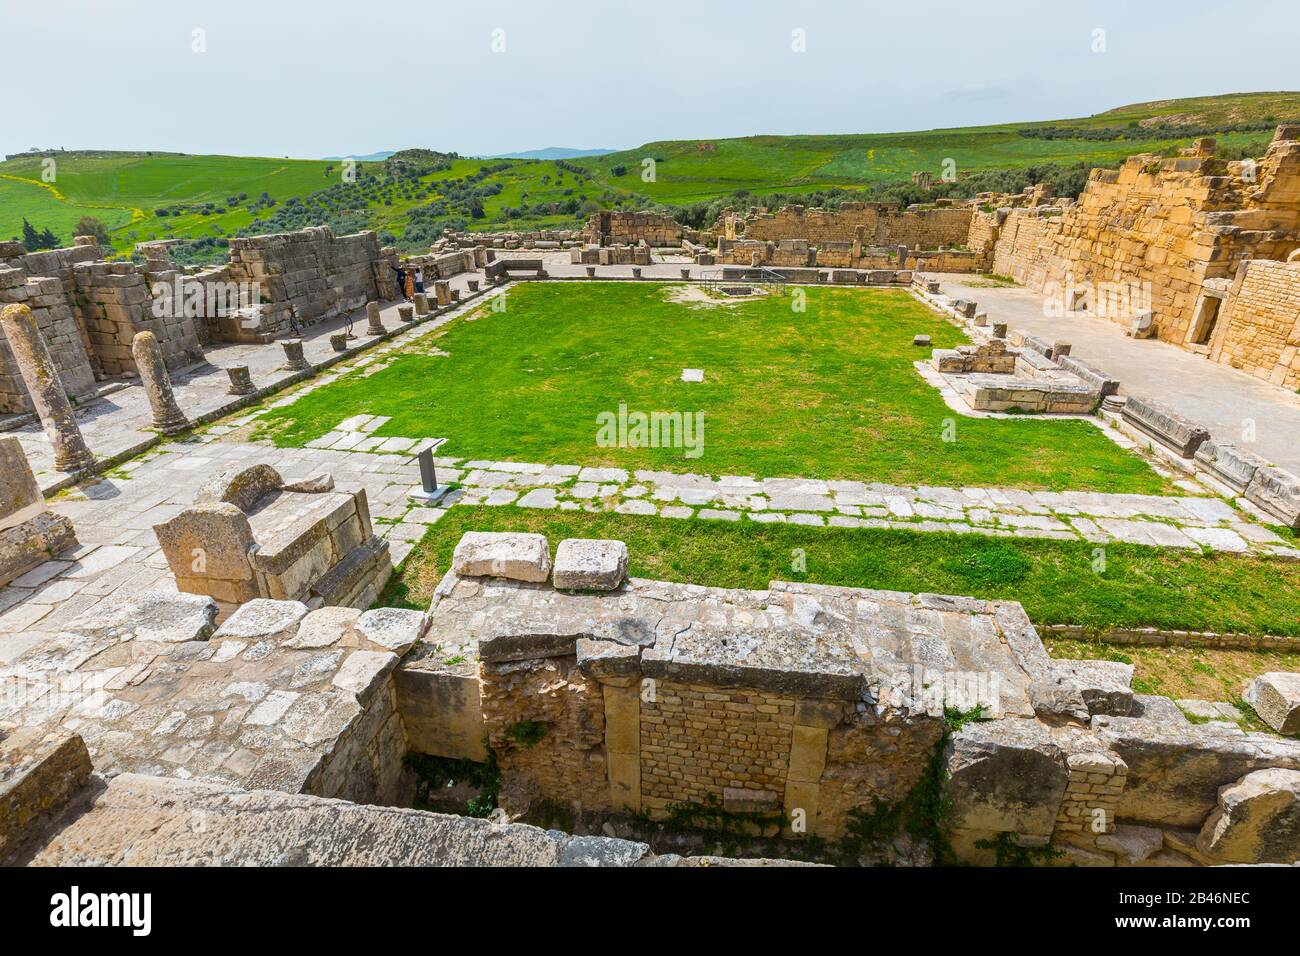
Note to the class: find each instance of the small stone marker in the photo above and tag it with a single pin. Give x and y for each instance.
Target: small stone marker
(686, 273)
(692, 375)
(473, 284)
(999, 330)
(591, 272)
(421, 304)
(241, 383)
(636, 273)
(922, 340)
(339, 341)
(167, 415)
(294, 360)
(375, 325)
(406, 313)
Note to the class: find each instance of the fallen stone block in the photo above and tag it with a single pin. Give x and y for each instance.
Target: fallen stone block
(1229, 463)
(519, 557)
(590, 564)
(1277, 492)
(1004, 776)
(39, 772)
(1276, 698)
(1257, 820)
(1165, 425)
(1089, 373)
(1175, 771)
(1106, 685)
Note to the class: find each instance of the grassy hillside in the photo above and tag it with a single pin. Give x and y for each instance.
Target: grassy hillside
(411, 196)
(689, 171)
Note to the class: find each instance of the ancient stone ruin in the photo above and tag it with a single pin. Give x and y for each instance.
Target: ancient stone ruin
(250, 535)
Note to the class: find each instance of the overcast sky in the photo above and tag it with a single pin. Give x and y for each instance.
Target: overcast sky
(290, 78)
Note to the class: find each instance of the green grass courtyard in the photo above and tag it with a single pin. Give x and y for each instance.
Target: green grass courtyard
(828, 391)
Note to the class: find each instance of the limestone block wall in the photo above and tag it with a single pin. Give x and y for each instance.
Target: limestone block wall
(1258, 330)
(59, 327)
(116, 301)
(309, 274)
(1168, 225)
(876, 224)
(614, 227)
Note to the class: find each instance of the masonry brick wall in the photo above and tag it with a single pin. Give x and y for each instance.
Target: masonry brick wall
(875, 224)
(1259, 326)
(697, 740)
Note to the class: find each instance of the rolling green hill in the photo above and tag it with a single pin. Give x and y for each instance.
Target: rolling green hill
(411, 196)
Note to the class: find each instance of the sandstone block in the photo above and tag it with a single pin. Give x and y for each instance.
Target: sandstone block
(1276, 698)
(520, 557)
(1257, 820)
(590, 564)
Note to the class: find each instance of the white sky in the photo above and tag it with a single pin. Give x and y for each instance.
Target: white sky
(310, 79)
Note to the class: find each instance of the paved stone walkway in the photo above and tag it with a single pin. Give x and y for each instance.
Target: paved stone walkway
(1191, 522)
(1218, 396)
(119, 423)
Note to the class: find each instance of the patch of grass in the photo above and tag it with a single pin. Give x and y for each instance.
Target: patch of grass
(1201, 673)
(529, 733)
(829, 392)
(1054, 580)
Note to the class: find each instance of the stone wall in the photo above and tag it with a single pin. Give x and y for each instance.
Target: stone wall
(1258, 329)
(310, 275)
(872, 224)
(1170, 229)
(88, 311)
(614, 227)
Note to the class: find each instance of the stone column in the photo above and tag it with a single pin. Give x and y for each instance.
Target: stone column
(442, 291)
(376, 324)
(241, 383)
(421, 304)
(406, 313)
(46, 388)
(167, 415)
(339, 341)
(294, 360)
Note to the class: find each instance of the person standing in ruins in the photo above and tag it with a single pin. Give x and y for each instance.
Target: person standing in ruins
(401, 281)
(419, 280)
(409, 287)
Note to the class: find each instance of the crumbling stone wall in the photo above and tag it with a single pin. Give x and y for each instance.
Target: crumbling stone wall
(873, 224)
(309, 275)
(1169, 225)
(88, 311)
(614, 227)
(566, 764)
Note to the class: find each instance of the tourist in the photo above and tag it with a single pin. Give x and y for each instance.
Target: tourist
(410, 286)
(401, 280)
(419, 280)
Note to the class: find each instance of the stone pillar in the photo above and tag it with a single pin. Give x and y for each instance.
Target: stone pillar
(376, 324)
(421, 304)
(294, 360)
(241, 383)
(46, 388)
(167, 415)
(623, 741)
(686, 273)
(473, 285)
(636, 273)
(859, 233)
(339, 341)
(406, 313)
(813, 719)
(442, 292)
(999, 330)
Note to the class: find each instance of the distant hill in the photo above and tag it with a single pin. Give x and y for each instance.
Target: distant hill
(410, 196)
(367, 158)
(553, 152)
